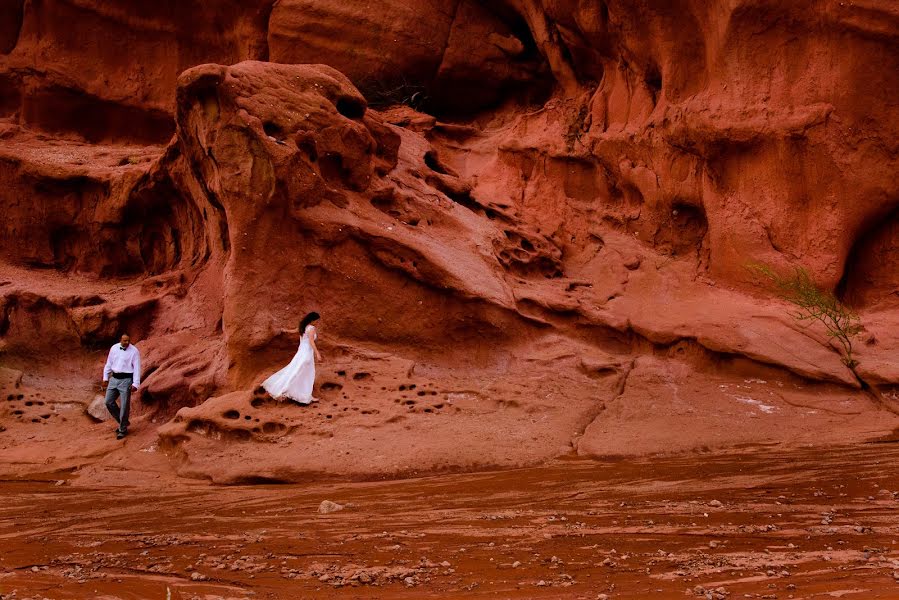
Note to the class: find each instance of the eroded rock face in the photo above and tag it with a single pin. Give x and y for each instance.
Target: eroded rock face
(120, 89)
(526, 224)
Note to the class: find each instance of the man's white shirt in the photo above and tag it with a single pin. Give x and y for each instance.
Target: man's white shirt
(123, 360)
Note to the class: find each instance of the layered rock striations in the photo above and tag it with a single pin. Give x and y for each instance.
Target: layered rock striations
(526, 225)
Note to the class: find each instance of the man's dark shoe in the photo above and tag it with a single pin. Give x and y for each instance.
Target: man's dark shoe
(120, 434)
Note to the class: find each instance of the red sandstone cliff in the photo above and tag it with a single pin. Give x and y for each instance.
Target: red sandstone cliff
(525, 223)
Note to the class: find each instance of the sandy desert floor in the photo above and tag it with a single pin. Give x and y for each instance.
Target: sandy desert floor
(755, 523)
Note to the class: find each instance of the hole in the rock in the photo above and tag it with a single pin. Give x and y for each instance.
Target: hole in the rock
(240, 435)
(248, 418)
(56, 108)
(330, 385)
(603, 13)
(272, 129)
(422, 393)
(328, 416)
(272, 427)
(13, 19)
(686, 231)
(29, 403)
(197, 426)
(362, 375)
(428, 410)
(307, 146)
(331, 166)
(870, 277)
(341, 373)
(10, 95)
(385, 201)
(231, 414)
(466, 200)
(525, 244)
(653, 79)
(351, 108)
(434, 163)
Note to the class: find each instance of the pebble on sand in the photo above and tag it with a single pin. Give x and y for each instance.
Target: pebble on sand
(328, 507)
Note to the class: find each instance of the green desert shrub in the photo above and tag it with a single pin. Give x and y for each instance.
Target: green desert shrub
(814, 304)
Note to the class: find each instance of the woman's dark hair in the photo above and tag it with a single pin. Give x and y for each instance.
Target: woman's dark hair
(313, 316)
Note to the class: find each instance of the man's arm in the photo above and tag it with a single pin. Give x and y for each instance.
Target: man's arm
(136, 364)
(107, 369)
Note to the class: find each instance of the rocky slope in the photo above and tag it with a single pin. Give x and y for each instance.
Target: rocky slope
(525, 223)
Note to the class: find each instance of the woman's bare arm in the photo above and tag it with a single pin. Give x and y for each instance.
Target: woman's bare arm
(312, 336)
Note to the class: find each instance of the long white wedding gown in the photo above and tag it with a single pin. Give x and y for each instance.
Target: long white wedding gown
(295, 381)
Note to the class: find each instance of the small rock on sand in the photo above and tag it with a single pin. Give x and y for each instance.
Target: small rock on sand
(97, 408)
(328, 507)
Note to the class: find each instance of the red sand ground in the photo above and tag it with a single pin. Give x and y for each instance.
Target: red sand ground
(527, 225)
(758, 523)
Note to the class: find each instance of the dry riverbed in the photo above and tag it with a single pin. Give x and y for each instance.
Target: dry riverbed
(760, 523)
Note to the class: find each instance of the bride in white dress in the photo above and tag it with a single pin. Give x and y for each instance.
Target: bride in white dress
(295, 381)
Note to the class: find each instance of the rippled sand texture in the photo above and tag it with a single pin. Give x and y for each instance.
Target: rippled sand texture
(800, 524)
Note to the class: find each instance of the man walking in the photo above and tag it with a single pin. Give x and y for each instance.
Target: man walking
(122, 371)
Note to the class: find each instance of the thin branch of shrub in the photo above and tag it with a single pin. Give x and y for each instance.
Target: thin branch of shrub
(383, 93)
(814, 304)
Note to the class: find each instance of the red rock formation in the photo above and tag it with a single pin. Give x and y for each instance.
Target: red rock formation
(526, 224)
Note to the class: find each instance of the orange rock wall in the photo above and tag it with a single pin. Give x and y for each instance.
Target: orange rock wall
(559, 188)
